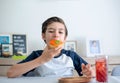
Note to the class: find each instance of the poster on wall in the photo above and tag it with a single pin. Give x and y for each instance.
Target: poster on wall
(5, 38)
(19, 44)
(0, 50)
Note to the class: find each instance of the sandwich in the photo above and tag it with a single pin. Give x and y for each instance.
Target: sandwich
(55, 43)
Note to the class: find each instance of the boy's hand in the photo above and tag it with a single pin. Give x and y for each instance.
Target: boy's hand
(87, 70)
(49, 53)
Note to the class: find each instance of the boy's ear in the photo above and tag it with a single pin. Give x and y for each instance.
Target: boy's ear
(43, 36)
(65, 38)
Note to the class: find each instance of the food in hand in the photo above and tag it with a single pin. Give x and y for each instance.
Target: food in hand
(55, 43)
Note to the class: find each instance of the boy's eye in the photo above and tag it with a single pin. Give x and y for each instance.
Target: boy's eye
(61, 32)
(50, 31)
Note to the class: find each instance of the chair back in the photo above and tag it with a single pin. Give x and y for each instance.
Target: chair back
(116, 71)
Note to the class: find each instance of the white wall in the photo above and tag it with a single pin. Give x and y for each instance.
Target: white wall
(99, 19)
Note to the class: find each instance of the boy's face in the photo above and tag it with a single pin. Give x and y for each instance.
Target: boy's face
(55, 31)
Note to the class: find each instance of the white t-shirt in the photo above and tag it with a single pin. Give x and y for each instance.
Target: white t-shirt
(61, 66)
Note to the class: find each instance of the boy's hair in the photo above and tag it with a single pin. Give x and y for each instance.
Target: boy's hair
(50, 21)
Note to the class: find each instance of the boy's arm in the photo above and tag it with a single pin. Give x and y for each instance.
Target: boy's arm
(19, 69)
(22, 68)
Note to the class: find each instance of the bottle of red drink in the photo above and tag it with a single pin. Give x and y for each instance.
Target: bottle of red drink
(101, 64)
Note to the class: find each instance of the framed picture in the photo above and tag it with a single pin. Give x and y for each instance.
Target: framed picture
(7, 50)
(93, 48)
(19, 44)
(5, 38)
(0, 50)
(71, 45)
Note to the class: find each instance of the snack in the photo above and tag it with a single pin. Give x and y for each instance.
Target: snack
(55, 43)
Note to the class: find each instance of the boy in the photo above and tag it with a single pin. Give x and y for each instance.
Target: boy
(52, 61)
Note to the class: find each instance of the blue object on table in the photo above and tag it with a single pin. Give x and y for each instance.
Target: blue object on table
(116, 71)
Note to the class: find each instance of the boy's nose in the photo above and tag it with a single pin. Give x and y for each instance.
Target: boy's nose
(56, 34)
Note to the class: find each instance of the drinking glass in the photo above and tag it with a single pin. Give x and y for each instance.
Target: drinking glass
(101, 64)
